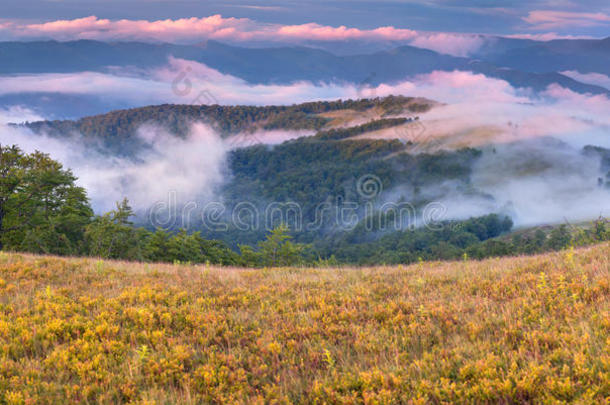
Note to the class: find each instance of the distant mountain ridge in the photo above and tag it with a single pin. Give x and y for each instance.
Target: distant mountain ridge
(522, 63)
(290, 64)
(583, 55)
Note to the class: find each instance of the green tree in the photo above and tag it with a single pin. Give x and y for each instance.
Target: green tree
(278, 250)
(248, 257)
(112, 235)
(157, 246)
(41, 208)
(601, 230)
(193, 248)
(559, 238)
(186, 248)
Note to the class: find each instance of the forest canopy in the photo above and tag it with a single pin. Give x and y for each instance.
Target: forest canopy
(42, 210)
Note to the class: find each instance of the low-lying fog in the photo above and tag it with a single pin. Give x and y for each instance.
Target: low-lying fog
(532, 164)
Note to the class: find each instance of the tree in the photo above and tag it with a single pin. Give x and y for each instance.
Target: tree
(112, 235)
(41, 208)
(278, 250)
(559, 238)
(156, 248)
(248, 257)
(186, 248)
(161, 246)
(600, 229)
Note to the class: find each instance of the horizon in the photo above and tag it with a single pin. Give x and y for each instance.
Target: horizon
(482, 59)
(373, 161)
(294, 23)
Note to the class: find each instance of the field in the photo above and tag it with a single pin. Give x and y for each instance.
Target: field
(515, 330)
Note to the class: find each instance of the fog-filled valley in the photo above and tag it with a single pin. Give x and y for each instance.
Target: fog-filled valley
(346, 149)
(312, 202)
(541, 158)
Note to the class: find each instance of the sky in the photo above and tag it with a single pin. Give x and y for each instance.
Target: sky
(504, 114)
(544, 19)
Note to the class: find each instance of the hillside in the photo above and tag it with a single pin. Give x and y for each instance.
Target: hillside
(515, 330)
(378, 139)
(118, 129)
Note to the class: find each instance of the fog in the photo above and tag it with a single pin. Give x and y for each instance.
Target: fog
(191, 168)
(532, 166)
(543, 181)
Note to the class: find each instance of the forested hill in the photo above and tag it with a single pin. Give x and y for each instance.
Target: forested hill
(121, 126)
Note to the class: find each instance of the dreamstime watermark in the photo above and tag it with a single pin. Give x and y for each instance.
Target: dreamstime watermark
(368, 212)
(182, 86)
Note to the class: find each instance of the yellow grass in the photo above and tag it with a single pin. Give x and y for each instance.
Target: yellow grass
(514, 330)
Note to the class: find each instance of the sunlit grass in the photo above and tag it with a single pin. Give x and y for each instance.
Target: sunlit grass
(525, 330)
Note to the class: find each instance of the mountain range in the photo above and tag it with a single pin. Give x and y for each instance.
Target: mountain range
(522, 63)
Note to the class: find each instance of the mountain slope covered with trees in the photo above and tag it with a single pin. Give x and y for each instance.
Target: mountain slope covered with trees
(118, 129)
(43, 211)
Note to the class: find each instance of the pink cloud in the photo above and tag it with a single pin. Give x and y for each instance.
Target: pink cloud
(318, 32)
(192, 30)
(453, 86)
(548, 36)
(185, 29)
(325, 33)
(597, 79)
(394, 33)
(549, 19)
(597, 105)
(197, 29)
(450, 44)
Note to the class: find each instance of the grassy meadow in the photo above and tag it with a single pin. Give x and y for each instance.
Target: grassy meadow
(513, 330)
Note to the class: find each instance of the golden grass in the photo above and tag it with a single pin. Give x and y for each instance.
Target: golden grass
(512, 330)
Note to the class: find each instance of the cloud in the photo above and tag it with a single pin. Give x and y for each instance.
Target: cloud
(532, 167)
(450, 44)
(548, 36)
(189, 82)
(195, 30)
(551, 19)
(181, 82)
(92, 27)
(529, 177)
(132, 89)
(597, 79)
(539, 181)
(190, 169)
(167, 169)
(18, 114)
(318, 32)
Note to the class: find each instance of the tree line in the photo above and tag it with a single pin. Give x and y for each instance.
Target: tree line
(42, 210)
(117, 130)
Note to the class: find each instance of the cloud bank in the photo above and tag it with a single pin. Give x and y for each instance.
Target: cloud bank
(245, 30)
(597, 79)
(217, 27)
(169, 167)
(196, 29)
(526, 175)
(472, 100)
(553, 19)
